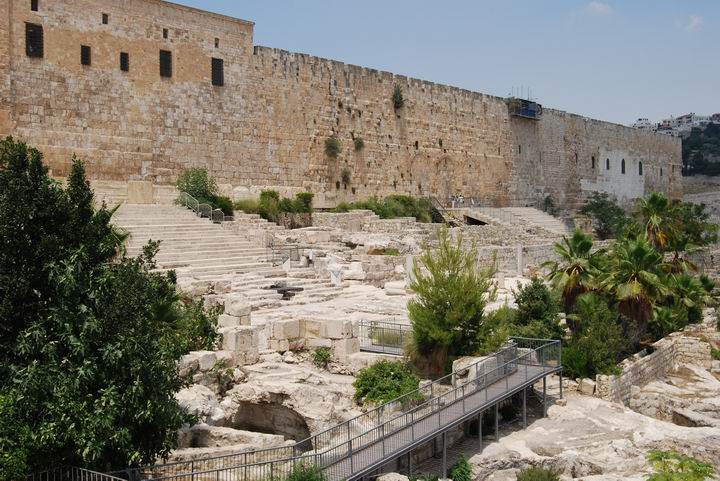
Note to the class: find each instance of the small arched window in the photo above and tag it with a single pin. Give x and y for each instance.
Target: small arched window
(622, 166)
(639, 168)
(660, 171)
(607, 164)
(592, 165)
(576, 157)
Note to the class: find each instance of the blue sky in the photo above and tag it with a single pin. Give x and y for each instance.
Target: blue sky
(612, 60)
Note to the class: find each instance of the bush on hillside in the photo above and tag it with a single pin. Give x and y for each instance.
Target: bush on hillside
(537, 473)
(198, 183)
(609, 219)
(385, 381)
(332, 147)
(305, 472)
(393, 206)
(537, 312)
(461, 471)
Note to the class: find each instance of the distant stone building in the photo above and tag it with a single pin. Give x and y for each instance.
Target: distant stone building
(142, 89)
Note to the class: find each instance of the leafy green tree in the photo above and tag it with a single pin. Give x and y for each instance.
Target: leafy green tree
(634, 279)
(462, 471)
(89, 338)
(447, 311)
(537, 312)
(609, 219)
(398, 98)
(198, 183)
(597, 346)
(656, 213)
(579, 269)
(673, 466)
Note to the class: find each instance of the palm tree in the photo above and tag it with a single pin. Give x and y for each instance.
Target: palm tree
(577, 272)
(656, 213)
(691, 294)
(635, 279)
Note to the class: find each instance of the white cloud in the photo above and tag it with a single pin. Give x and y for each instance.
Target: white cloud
(599, 8)
(694, 22)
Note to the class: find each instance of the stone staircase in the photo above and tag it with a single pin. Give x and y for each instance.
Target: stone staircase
(199, 250)
(519, 217)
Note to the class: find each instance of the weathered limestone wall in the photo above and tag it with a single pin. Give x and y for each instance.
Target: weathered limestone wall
(668, 352)
(554, 156)
(268, 124)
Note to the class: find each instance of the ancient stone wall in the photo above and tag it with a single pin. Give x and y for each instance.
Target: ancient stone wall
(639, 371)
(268, 124)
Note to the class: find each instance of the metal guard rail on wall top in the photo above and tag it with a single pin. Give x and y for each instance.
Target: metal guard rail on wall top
(71, 474)
(378, 426)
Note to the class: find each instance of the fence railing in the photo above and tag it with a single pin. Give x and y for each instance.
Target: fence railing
(383, 337)
(277, 253)
(350, 448)
(71, 473)
(200, 209)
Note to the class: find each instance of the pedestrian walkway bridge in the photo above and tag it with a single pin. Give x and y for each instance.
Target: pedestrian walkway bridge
(362, 445)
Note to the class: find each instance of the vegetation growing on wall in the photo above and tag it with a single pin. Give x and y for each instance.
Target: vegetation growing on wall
(89, 338)
(359, 144)
(198, 183)
(333, 147)
(537, 473)
(397, 97)
(393, 206)
(346, 176)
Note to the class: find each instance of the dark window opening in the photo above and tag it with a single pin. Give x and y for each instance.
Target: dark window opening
(218, 75)
(165, 63)
(576, 157)
(519, 149)
(440, 142)
(592, 164)
(498, 150)
(416, 145)
(622, 166)
(217, 42)
(105, 18)
(34, 40)
(607, 164)
(165, 33)
(85, 55)
(124, 62)
(660, 171)
(34, 5)
(640, 168)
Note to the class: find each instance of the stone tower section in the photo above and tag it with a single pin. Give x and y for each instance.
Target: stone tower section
(142, 89)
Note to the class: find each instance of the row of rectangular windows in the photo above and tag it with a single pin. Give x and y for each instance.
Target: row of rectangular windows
(34, 47)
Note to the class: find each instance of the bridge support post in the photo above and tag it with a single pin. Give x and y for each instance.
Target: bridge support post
(544, 396)
(497, 422)
(410, 466)
(480, 416)
(444, 455)
(561, 385)
(524, 407)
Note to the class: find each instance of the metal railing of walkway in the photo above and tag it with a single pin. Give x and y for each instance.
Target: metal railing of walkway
(383, 337)
(360, 445)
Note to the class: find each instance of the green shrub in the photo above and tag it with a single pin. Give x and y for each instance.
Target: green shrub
(303, 472)
(599, 342)
(304, 202)
(609, 219)
(715, 353)
(333, 147)
(549, 206)
(198, 183)
(249, 206)
(394, 206)
(224, 203)
(496, 329)
(269, 206)
(673, 466)
(461, 471)
(537, 473)
(346, 176)
(321, 357)
(397, 97)
(359, 144)
(196, 328)
(537, 312)
(384, 381)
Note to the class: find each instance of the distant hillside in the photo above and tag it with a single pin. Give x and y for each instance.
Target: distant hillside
(701, 151)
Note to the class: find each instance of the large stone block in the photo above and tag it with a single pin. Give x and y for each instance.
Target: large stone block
(342, 348)
(238, 305)
(140, 192)
(286, 329)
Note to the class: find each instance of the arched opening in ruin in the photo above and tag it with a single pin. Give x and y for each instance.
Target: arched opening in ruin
(271, 419)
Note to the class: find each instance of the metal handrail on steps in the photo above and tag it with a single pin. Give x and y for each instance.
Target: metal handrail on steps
(201, 209)
(384, 431)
